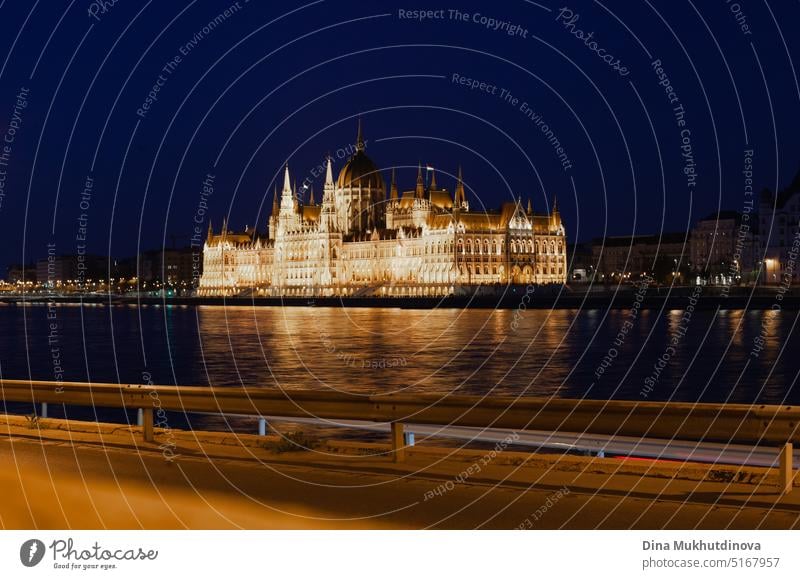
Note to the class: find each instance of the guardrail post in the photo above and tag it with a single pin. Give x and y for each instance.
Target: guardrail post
(147, 426)
(44, 409)
(262, 426)
(398, 442)
(786, 478)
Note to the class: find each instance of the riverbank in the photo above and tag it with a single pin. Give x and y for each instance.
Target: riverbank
(513, 298)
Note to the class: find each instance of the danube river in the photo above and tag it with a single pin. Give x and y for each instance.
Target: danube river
(712, 356)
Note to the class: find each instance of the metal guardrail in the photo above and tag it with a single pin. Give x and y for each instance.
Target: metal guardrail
(727, 423)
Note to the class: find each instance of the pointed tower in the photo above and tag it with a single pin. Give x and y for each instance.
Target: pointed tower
(287, 208)
(273, 218)
(421, 211)
(460, 199)
(530, 206)
(311, 200)
(555, 215)
(419, 193)
(210, 232)
(328, 213)
(329, 189)
(433, 180)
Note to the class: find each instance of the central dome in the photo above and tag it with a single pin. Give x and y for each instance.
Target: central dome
(360, 171)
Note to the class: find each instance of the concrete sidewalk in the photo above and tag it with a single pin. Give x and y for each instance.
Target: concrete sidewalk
(59, 474)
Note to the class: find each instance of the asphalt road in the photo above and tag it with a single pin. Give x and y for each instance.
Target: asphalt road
(82, 485)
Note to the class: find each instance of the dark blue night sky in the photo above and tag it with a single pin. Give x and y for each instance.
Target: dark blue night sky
(268, 82)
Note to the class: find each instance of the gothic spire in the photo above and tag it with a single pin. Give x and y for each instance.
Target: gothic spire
(420, 191)
(433, 178)
(328, 189)
(311, 198)
(530, 206)
(329, 172)
(287, 182)
(210, 231)
(275, 205)
(460, 198)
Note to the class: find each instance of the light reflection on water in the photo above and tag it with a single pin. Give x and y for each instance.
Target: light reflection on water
(547, 353)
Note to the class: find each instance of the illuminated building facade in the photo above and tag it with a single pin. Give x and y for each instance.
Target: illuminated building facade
(358, 242)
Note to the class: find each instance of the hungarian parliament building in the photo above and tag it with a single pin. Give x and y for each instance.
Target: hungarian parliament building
(357, 242)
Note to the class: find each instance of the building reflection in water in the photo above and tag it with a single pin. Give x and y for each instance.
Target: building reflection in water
(504, 352)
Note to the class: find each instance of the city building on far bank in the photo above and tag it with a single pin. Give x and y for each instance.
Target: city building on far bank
(581, 263)
(722, 250)
(663, 257)
(21, 273)
(172, 267)
(358, 242)
(779, 235)
(70, 271)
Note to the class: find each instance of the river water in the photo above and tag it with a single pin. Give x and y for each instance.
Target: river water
(713, 356)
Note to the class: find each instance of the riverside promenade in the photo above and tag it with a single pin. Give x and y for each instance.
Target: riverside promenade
(59, 474)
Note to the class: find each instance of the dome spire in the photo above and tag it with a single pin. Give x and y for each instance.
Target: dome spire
(360, 146)
(393, 193)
